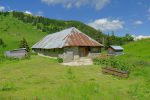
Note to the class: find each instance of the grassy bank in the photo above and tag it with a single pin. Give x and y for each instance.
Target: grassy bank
(45, 79)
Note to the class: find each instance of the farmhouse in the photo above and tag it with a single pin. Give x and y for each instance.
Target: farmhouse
(17, 53)
(115, 50)
(69, 44)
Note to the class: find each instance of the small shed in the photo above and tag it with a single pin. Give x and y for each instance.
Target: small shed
(16, 53)
(115, 50)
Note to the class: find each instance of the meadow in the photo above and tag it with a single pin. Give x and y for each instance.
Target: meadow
(40, 78)
(45, 79)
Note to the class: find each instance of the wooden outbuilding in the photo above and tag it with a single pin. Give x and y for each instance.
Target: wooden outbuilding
(16, 53)
(115, 50)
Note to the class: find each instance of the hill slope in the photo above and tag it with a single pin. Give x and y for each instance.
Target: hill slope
(137, 53)
(13, 28)
(12, 31)
(52, 25)
(139, 48)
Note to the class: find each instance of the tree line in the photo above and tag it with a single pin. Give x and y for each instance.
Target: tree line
(53, 25)
(111, 39)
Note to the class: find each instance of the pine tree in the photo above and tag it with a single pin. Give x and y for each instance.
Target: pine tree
(108, 41)
(129, 38)
(24, 44)
(113, 38)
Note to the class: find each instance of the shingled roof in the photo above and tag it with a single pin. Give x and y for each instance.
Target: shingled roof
(67, 37)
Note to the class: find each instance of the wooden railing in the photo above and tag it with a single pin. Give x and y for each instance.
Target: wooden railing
(115, 71)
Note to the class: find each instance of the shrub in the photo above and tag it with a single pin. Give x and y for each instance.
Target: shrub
(26, 56)
(33, 53)
(2, 44)
(60, 60)
(101, 61)
(115, 63)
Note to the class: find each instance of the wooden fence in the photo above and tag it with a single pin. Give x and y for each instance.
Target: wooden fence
(116, 72)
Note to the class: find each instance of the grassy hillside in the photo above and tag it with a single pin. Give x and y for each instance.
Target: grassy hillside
(13, 30)
(44, 79)
(52, 25)
(137, 53)
(140, 49)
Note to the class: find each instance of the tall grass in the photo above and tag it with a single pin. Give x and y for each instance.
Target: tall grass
(7, 59)
(7, 86)
(45, 78)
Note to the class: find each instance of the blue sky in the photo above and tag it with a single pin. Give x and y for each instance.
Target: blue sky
(120, 16)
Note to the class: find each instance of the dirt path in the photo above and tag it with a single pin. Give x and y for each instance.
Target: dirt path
(80, 62)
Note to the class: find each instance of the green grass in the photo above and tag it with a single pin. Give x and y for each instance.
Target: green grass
(45, 79)
(41, 78)
(137, 53)
(12, 31)
(139, 48)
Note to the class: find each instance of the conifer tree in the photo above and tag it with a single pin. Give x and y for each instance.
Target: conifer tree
(24, 44)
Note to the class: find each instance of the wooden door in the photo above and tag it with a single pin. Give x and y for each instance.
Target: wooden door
(83, 51)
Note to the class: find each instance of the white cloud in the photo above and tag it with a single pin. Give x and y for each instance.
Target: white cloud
(138, 22)
(140, 37)
(97, 4)
(39, 13)
(2, 8)
(28, 12)
(106, 24)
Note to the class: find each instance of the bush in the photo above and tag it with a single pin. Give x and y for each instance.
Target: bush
(115, 63)
(60, 60)
(26, 56)
(33, 53)
(2, 44)
(101, 61)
